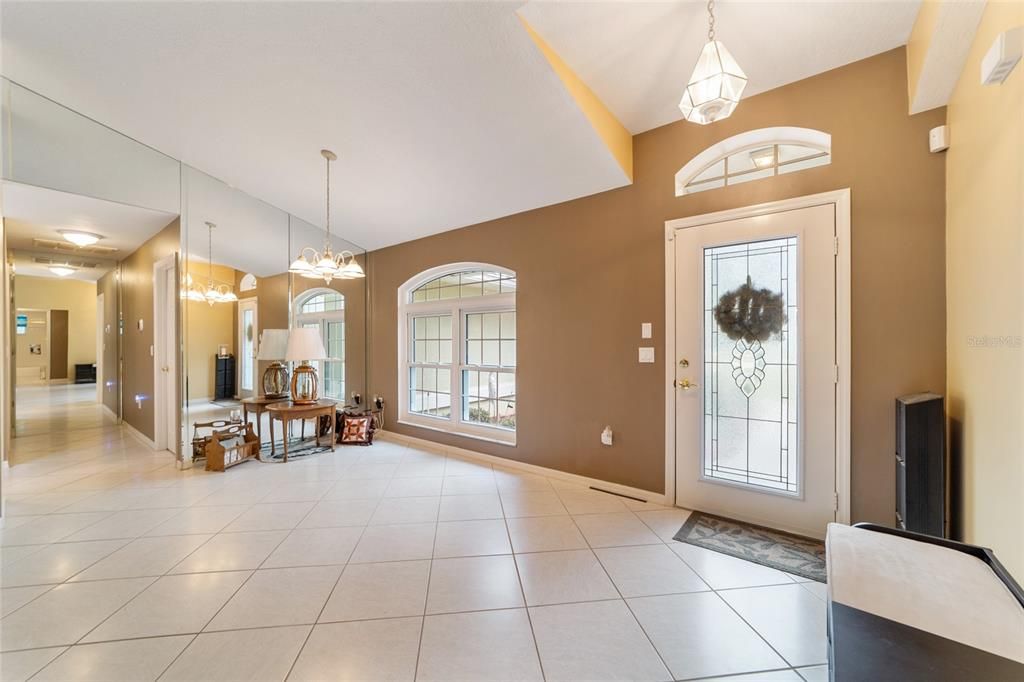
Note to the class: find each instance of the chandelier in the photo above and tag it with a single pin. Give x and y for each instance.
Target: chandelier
(717, 81)
(326, 265)
(213, 292)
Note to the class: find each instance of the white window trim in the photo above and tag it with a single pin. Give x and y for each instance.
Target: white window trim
(457, 308)
(746, 141)
(299, 318)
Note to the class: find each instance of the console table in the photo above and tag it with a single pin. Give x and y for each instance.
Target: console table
(907, 607)
(286, 411)
(258, 406)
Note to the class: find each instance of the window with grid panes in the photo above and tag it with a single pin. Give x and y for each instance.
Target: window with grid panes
(458, 373)
(324, 309)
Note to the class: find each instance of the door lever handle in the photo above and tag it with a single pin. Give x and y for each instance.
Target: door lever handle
(684, 384)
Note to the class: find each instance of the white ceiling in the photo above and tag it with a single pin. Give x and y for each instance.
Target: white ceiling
(637, 56)
(443, 114)
(34, 212)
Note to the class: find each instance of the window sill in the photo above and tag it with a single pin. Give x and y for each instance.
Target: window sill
(511, 442)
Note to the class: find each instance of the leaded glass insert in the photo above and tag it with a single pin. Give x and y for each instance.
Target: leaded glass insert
(751, 387)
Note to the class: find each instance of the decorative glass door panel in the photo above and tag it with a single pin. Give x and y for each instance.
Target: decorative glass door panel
(755, 360)
(248, 350)
(751, 380)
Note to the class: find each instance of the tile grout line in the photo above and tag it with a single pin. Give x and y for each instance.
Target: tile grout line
(522, 591)
(330, 594)
(426, 595)
(619, 592)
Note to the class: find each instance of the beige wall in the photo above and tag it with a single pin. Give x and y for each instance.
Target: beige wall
(985, 280)
(137, 304)
(591, 270)
(75, 296)
(209, 327)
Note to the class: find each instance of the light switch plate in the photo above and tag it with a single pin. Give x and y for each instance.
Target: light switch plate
(646, 354)
(645, 330)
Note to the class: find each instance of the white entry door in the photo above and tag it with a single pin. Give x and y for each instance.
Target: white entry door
(755, 367)
(247, 340)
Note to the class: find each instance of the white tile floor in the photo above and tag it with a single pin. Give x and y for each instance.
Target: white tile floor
(370, 563)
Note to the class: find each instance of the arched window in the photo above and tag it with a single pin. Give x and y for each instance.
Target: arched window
(457, 351)
(753, 155)
(324, 309)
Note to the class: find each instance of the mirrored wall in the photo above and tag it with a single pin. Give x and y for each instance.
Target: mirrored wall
(241, 306)
(192, 303)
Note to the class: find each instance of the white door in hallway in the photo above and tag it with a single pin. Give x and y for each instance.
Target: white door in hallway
(247, 340)
(165, 354)
(755, 367)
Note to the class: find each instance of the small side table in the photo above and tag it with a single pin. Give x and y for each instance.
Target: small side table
(286, 411)
(258, 406)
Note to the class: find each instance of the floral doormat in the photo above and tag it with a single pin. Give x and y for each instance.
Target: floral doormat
(786, 552)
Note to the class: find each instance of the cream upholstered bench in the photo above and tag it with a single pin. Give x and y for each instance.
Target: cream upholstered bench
(904, 606)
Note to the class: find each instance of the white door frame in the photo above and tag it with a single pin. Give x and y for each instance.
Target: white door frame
(100, 312)
(243, 304)
(164, 393)
(841, 200)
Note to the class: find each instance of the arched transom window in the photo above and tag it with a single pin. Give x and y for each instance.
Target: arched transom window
(324, 309)
(754, 155)
(457, 351)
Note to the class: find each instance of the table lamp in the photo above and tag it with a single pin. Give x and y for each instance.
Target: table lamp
(273, 345)
(305, 344)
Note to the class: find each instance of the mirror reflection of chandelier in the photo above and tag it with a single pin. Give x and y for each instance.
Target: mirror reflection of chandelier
(213, 292)
(326, 265)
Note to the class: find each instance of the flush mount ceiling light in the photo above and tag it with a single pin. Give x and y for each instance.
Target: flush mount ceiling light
(62, 270)
(326, 265)
(717, 82)
(213, 292)
(79, 238)
(764, 157)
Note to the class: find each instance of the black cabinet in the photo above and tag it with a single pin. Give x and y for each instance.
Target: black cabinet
(85, 374)
(225, 384)
(921, 464)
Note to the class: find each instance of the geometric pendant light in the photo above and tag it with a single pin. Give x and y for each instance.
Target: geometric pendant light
(717, 82)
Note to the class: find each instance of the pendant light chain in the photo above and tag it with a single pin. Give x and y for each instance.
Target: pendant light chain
(711, 20)
(328, 160)
(209, 244)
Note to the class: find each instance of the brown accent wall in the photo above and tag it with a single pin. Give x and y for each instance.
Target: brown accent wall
(107, 285)
(137, 304)
(58, 344)
(591, 270)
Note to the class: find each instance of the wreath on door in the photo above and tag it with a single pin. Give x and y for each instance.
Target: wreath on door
(750, 314)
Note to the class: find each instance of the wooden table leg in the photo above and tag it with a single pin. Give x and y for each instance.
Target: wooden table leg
(302, 430)
(273, 447)
(334, 428)
(284, 426)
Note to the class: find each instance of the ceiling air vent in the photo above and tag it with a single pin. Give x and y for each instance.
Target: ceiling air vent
(80, 264)
(65, 247)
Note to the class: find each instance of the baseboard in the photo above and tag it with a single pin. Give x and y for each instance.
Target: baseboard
(139, 436)
(109, 412)
(472, 455)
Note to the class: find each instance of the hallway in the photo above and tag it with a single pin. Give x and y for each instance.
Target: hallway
(56, 408)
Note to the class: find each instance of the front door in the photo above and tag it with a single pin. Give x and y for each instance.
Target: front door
(755, 361)
(247, 334)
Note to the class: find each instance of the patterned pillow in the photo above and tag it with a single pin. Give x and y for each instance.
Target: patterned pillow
(356, 429)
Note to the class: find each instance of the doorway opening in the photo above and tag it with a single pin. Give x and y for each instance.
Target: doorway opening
(757, 404)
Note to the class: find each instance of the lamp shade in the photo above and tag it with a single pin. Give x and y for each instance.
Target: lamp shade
(304, 343)
(273, 344)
